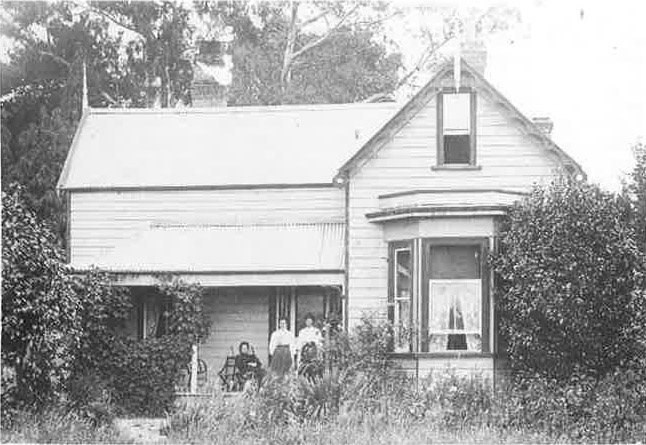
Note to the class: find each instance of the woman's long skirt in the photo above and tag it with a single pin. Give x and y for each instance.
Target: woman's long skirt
(281, 361)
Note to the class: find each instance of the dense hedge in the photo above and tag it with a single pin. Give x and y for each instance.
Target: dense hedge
(570, 283)
(40, 308)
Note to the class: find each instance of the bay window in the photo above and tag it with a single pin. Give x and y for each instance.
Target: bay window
(451, 304)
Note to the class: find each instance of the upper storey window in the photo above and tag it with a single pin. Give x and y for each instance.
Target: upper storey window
(456, 129)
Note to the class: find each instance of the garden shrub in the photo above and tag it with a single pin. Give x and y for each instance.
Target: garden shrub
(40, 308)
(144, 374)
(569, 283)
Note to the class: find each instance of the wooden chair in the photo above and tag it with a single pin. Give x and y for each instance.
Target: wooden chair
(229, 376)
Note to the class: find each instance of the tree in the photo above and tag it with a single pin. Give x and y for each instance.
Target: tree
(635, 192)
(40, 307)
(135, 54)
(569, 286)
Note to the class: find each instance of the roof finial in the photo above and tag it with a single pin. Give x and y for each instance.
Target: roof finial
(459, 35)
(85, 103)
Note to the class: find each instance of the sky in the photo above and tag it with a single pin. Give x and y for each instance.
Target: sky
(583, 64)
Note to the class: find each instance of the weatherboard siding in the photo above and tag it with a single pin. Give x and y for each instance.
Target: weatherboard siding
(507, 159)
(99, 220)
(236, 315)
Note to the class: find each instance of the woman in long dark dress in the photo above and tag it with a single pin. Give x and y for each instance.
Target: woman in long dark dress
(281, 349)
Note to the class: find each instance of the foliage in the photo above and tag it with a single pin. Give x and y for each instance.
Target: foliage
(57, 424)
(187, 318)
(582, 409)
(348, 67)
(635, 192)
(144, 374)
(445, 407)
(569, 280)
(106, 307)
(40, 307)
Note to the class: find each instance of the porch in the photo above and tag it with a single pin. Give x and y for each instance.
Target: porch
(237, 314)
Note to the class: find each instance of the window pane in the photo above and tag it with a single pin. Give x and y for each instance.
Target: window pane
(455, 314)
(404, 274)
(402, 304)
(458, 262)
(457, 149)
(456, 113)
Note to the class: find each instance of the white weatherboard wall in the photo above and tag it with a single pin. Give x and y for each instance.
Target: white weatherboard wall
(508, 159)
(100, 220)
(236, 315)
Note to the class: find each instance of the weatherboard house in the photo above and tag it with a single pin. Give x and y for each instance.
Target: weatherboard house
(335, 210)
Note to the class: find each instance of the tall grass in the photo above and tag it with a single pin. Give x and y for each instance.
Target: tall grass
(57, 425)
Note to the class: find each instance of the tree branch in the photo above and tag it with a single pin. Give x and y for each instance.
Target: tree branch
(311, 20)
(115, 20)
(324, 37)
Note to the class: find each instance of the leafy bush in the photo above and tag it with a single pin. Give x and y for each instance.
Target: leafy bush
(40, 307)
(145, 373)
(569, 283)
(584, 409)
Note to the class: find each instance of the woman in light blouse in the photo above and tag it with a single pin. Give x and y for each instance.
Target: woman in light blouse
(281, 349)
(310, 334)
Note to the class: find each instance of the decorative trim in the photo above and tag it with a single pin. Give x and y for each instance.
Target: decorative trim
(440, 355)
(72, 151)
(442, 191)
(455, 167)
(439, 128)
(346, 246)
(163, 188)
(435, 212)
(68, 227)
(208, 272)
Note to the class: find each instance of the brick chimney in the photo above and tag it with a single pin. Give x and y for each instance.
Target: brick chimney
(475, 54)
(544, 124)
(212, 71)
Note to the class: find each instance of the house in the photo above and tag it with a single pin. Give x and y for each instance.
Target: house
(330, 209)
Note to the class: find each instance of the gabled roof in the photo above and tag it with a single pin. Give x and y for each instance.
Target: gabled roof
(243, 146)
(419, 101)
(193, 147)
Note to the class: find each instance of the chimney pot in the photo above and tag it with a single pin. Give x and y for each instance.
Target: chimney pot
(211, 74)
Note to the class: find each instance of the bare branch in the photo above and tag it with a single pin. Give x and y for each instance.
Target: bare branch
(316, 18)
(325, 36)
(115, 20)
(109, 98)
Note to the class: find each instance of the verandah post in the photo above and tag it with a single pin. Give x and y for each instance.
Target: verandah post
(193, 386)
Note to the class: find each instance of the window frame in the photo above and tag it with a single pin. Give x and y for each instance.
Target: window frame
(485, 324)
(393, 248)
(472, 130)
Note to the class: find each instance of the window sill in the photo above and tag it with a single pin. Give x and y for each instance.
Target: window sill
(440, 355)
(458, 167)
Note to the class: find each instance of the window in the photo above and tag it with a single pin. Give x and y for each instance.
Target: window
(456, 129)
(454, 297)
(401, 293)
(448, 311)
(152, 318)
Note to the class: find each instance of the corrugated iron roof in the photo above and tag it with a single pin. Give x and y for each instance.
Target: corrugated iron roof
(300, 144)
(258, 248)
